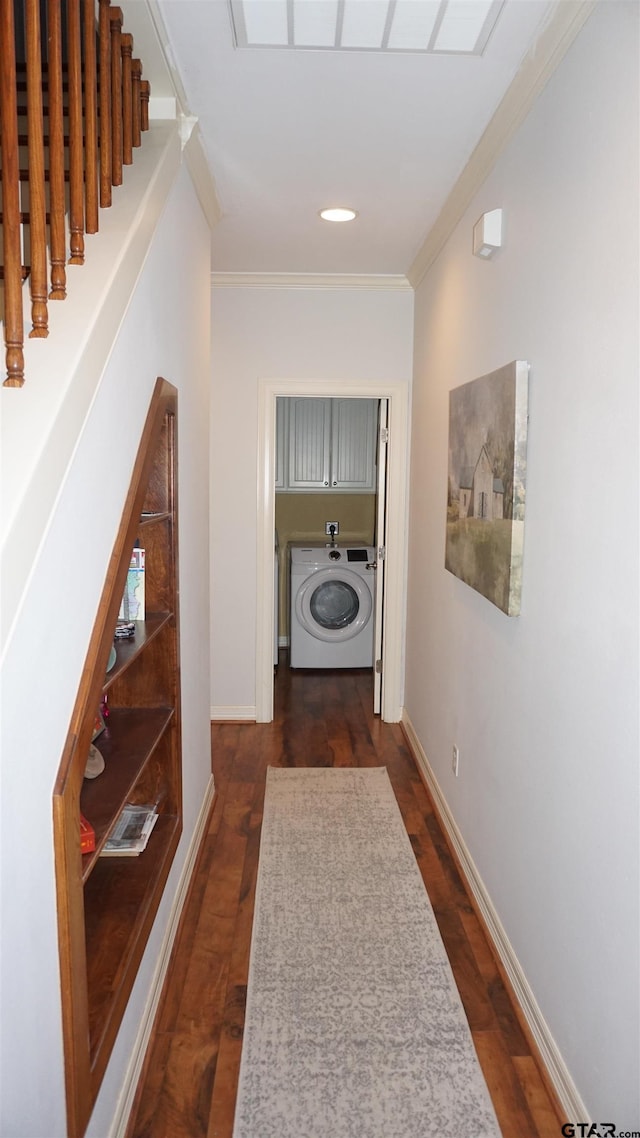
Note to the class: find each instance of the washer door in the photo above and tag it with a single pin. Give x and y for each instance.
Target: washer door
(334, 604)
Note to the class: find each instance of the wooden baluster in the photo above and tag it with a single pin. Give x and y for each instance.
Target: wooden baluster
(13, 319)
(57, 208)
(115, 16)
(105, 104)
(76, 174)
(127, 91)
(37, 204)
(145, 91)
(90, 118)
(136, 76)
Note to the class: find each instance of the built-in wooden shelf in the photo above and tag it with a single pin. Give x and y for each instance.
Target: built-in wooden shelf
(107, 905)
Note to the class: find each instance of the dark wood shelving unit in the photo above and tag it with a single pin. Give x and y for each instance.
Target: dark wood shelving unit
(106, 905)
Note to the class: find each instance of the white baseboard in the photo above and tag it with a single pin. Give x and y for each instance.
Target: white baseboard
(232, 713)
(563, 1084)
(130, 1085)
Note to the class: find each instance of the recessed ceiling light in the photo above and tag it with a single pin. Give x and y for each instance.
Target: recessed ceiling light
(338, 213)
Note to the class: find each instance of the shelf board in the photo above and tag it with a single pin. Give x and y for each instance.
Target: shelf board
(147, 519)
(126, 745)
(120, 901)
(127, 650)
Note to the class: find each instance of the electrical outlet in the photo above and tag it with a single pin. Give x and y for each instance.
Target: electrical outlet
(455, 758)
(327, 528)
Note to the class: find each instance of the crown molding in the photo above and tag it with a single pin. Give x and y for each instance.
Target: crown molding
(376, 282)
(565, 22)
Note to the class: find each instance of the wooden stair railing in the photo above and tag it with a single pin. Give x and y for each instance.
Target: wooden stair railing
(66, 129)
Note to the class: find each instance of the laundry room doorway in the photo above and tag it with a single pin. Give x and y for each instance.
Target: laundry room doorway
(391, 491)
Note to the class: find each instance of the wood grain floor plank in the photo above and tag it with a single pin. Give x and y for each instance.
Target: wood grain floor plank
(473, 992)
(509, 1100)
(150, 1087)
(223, 1099)
(548, 1120)
(197, 986)
(222, 1105)
(188, 930)
(479, 946)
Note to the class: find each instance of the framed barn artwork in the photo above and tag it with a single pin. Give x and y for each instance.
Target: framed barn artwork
(488, 420)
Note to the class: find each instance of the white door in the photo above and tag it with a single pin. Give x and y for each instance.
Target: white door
(380, 544)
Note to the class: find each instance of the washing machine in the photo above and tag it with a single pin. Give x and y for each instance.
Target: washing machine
(332, 606)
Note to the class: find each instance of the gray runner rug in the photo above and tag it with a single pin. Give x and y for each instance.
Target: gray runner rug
(354, 1026)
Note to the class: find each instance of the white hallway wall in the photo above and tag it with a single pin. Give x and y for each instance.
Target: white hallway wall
(276, 333)
(544, 707)
(165, 332)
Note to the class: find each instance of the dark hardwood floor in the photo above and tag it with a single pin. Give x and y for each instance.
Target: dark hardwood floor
(189, 1083)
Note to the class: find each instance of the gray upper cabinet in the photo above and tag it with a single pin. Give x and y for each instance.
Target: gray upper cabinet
(326, 444)
(309, 444)
(353, 444)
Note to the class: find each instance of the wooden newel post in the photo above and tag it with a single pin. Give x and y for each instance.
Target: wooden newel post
(90, 118)
(37, 205)
(13, 319)
(136, 77)
(104, 26)
(57, 231)
(115, 16)
(145, 92)
(76, 172)
(127, 91)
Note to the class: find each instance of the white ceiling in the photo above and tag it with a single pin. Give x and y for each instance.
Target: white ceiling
(289, 131)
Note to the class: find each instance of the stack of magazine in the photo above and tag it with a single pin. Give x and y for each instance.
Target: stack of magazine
(131, 832)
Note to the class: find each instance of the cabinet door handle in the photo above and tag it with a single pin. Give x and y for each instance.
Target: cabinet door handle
(326, 483)
(335, 482)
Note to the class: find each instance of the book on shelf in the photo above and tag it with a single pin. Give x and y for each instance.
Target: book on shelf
(132, 606)
(131, 832)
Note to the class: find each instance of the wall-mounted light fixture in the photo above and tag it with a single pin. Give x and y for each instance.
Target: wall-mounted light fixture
(487, 234)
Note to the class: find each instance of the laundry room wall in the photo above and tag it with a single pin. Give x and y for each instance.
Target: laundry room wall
(358, 334)
(301, 517)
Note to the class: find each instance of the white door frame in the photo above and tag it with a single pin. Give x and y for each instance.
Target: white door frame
(379, 539)
(397, 392)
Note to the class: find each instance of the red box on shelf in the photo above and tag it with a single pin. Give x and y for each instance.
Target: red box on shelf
(87, 836)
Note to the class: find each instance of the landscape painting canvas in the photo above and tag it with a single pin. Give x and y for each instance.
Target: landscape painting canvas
(487, 476)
